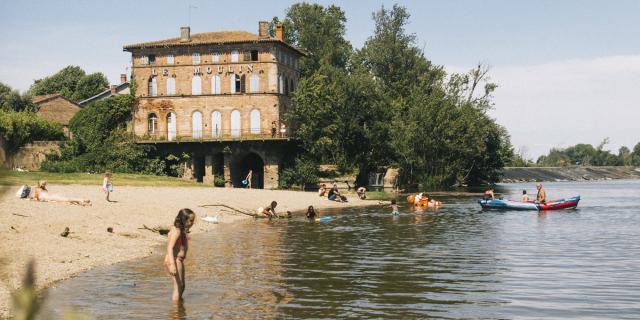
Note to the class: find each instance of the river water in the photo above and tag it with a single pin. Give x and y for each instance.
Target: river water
(454, 263)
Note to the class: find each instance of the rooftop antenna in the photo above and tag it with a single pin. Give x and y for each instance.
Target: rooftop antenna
(191, 7)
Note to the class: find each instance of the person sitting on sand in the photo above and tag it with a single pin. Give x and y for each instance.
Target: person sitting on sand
(525, 197)
(541, 197)
(177, 246)
(361, 193)
(107, 187)
(312, 213)
(489, 194)
(323, 190)
(43, 194)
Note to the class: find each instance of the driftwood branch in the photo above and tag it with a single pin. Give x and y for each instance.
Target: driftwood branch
(158, 230)
(243, 211)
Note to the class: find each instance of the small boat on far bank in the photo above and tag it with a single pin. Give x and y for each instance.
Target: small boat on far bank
(567, 203)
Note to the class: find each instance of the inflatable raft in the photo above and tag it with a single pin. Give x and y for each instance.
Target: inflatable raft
(568, 203)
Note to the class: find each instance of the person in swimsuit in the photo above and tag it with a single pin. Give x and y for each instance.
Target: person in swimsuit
(541, 197)
(43, 194)
(177, 246)
(394, 208)
(525, 197)
(489, 194)
(269, 211)
(107, 187)
(312, 213)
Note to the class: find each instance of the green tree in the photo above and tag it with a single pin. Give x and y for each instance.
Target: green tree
(635, 155)
(319, 31)
(12, 100)
(19, 128)
(71, 82)
(90, 85)
(625, 158)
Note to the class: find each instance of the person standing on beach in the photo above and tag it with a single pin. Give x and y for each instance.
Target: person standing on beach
(177, 246)
(107, 187)
(247, 179)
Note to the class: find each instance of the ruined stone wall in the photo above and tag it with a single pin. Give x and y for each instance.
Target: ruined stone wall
(31, 156)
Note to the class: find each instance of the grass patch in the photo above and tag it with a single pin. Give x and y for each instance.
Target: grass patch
(14, 178)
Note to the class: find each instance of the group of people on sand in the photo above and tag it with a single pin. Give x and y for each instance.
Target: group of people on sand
(42, 193)
(541, 195)
(334, 195)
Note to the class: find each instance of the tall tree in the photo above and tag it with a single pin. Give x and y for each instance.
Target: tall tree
(71, 82)
(319, 31)
(12, 100)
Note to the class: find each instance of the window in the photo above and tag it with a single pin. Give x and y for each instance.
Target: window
(246, 56)
(196, 125)
(152, 124)
(286, 86)
(152, 59)
(171, 126)
(215, 57)
(195, 57)
(255, 121)
(254, 83)
(254, 55)
(216, 124)
(280, 84)
(153, 87)
(237, 83)
(235, 123)
(169, 59)
(215, 84)
(290, 85)
(171, 86)
(196, 85)
(234, 55)
(144, 60)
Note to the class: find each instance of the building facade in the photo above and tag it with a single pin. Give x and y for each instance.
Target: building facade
(210, 92)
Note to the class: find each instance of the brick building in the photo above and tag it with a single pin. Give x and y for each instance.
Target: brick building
(56, 108)
(221, 97)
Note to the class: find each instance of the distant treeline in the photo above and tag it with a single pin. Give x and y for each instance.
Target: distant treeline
(582, 155)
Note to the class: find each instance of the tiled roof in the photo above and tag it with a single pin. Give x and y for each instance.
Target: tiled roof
(40, 99)
(222, 37)
(56, 108)
(104, 94)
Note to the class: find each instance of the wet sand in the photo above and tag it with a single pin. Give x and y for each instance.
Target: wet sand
(31, 229)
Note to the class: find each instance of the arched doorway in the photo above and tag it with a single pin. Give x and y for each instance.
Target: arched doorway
(241, 167)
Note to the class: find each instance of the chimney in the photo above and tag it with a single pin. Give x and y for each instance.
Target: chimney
(185, 34)
(280, 32)
(113, 89)
(123, 78)
(263, 29)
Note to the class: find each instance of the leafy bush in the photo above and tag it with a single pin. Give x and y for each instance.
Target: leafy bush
(304, 172)
(19, 128)
(71, 82)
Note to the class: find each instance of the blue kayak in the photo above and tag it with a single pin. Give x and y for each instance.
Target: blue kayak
(567, 203)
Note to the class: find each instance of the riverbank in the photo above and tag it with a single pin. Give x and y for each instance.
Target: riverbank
(532, 174)
(31, 229)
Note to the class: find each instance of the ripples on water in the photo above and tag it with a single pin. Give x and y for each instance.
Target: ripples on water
(456, 262)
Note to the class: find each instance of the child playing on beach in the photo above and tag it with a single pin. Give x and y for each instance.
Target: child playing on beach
(42, 194)
(269, 211)
(107, 187)
(177, 246)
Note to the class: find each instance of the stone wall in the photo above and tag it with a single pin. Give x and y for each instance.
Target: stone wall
(30, 156)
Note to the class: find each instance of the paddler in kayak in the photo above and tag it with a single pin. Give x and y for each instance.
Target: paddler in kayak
(541, 197)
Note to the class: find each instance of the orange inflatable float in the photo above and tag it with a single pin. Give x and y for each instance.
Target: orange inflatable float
(424, 202)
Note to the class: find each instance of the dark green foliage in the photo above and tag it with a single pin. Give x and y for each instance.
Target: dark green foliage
(101, 142)
(304, 172)
(386, 104)
(71, 82)
(12, 100)
(19, 128)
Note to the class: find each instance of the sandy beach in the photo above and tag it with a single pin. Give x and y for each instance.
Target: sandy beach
(31, 229)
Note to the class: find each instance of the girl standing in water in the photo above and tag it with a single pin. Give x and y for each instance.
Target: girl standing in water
(177, 246)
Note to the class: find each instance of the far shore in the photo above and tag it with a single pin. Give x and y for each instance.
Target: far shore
(31, 229)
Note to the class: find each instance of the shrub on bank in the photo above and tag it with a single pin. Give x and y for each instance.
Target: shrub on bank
(20, 128)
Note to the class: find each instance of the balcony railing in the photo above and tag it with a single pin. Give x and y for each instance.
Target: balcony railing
(219, 135)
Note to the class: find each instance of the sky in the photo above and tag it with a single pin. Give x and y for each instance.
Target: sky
(568, 71)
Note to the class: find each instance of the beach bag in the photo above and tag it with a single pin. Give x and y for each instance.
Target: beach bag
(23, 192)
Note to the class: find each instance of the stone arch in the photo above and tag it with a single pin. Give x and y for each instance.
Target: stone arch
(240, 167)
